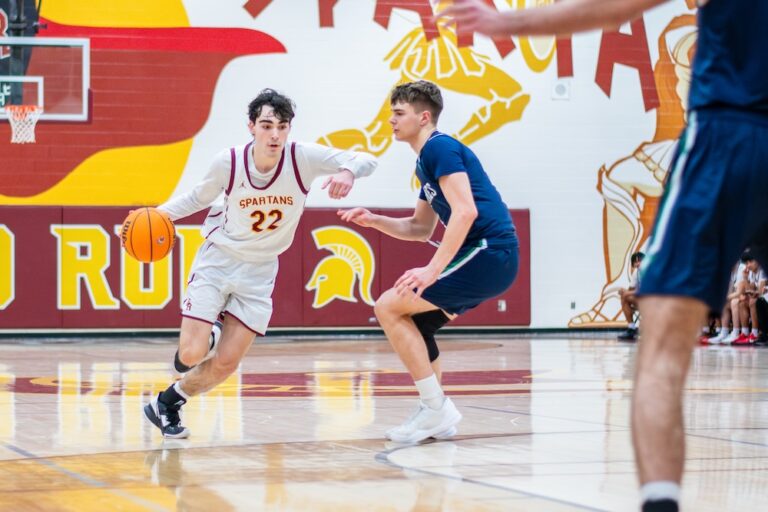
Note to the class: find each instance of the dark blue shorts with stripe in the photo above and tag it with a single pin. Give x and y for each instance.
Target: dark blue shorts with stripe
(714, 206)
(476, 274)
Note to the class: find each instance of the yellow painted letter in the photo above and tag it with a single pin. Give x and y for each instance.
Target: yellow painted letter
(83, 256)
(7, 267)
(159, 290)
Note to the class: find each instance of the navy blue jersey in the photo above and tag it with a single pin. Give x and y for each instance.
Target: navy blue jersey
(730, 68)
(443, 155)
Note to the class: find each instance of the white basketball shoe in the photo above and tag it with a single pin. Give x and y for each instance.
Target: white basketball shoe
(426, 422)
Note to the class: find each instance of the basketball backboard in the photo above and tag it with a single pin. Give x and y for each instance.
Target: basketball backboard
(53, 73)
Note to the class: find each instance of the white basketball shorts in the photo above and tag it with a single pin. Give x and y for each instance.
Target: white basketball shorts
(219, 282)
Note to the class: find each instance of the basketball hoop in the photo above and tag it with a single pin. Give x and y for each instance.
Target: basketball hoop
(23, 119)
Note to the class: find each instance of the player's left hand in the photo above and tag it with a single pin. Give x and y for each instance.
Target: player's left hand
(419, 279)
(339, 184)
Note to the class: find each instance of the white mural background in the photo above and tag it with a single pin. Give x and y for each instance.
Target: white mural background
(547, 162)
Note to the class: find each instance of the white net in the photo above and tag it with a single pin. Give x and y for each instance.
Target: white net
(23, 119)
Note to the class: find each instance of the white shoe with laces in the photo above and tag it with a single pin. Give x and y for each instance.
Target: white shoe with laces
(730, 338)
(388, 434)
(716, 340)
(448, 434)
(427, 422)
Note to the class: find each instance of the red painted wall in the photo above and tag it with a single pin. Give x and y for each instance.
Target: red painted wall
(36, 279)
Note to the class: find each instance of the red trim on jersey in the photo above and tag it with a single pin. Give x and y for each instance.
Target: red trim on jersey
(233, 158)
(248, 171)
(209, 234)
(296, 169)
(244, 324)
(215, 215)
(198, 318)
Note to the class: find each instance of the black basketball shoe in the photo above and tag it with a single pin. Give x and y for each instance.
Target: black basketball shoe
(166, 419)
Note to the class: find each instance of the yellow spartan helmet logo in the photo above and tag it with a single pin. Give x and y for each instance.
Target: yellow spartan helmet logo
(334, 277)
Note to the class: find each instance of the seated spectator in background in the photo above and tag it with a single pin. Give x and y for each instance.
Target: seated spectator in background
(761, 308)
(628, 299)
(724, 330)
(711, 328)
(746, 300)
(737, 304)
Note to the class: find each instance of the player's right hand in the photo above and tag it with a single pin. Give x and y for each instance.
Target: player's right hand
(359, 216)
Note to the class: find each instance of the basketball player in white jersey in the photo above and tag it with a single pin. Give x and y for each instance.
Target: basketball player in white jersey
(264, 185)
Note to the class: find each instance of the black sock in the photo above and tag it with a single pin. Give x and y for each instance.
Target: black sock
(171, 398)
(665, 505)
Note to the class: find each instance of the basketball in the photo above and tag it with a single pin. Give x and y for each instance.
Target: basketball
(148, 234)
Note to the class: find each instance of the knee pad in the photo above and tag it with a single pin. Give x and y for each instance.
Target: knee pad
(428, 323)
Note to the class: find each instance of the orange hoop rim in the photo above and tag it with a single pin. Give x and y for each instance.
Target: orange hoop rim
(19, 112)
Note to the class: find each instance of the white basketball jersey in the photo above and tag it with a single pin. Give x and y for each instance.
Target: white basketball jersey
(254, 215)
(258, 223)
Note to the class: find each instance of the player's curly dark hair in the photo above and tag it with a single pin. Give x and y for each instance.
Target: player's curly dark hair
(282, 105)
(422, 95)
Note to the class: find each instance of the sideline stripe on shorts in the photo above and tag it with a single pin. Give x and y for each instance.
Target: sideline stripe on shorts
(450, 269)
(659, 233)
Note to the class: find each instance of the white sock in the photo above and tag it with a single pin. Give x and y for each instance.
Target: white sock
(632, 325)
(177, 387)
(735, 332)
(430, 392)
(745, 330)
(754, 332)
(719, 330)
(660, 490)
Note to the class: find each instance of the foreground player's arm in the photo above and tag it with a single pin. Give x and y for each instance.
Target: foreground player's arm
(418, 227)
(561, 18)
(458, 193)
(344, 167)
(205, 193)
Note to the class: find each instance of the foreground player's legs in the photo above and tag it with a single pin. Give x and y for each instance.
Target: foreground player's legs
(669, 334)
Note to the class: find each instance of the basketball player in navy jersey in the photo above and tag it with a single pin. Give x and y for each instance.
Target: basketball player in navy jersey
(258, 192)
(715, 203)
(477, 257)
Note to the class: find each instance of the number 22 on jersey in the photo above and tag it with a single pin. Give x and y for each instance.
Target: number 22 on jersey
(266, 221)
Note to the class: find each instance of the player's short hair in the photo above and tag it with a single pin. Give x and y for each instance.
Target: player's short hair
(282, 105)
(636, 257)
(747, 256)
(422, 95)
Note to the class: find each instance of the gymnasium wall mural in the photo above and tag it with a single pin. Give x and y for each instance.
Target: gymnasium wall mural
(576, 132)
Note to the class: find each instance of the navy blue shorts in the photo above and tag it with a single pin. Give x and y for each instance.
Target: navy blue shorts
(475, 275)
(715, 205)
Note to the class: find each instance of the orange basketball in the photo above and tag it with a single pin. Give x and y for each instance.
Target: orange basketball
(148, 234)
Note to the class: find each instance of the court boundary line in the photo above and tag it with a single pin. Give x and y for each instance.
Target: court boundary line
(383, 458)
(45, 461)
